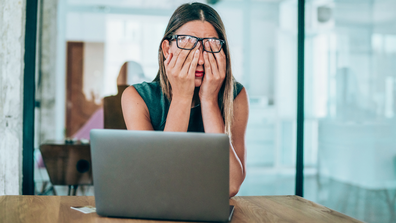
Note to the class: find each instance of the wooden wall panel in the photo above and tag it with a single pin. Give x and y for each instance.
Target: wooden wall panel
(78, 109)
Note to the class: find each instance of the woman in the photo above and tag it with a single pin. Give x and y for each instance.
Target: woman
(194, 89)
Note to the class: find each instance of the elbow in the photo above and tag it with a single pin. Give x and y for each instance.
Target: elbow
(234, 191)
(235, 186)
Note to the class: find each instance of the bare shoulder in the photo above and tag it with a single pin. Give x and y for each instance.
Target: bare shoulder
(241, 116)
(241, 104)
(130, 93)
(243, 95)
(135, 111)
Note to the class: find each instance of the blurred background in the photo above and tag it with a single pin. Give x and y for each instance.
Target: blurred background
(88, 48)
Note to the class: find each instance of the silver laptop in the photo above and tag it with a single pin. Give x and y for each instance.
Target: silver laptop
(161, 175)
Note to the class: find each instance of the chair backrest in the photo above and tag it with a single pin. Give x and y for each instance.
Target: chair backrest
(67, 164)
(113, 117)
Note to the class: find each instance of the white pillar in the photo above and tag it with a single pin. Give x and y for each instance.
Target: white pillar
(46, 91)
(12, 47)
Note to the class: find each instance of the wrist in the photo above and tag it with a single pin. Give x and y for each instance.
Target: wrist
(212, 101)
(179, 99)
(182, 95)
(207, 98)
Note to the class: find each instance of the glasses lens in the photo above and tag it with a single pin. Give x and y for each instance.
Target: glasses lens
(214, 45)
(186, 42)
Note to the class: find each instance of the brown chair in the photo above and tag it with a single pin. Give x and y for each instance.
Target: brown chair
(113, 117)
(68, 164)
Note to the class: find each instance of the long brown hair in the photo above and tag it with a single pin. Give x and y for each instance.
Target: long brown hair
(192, 12)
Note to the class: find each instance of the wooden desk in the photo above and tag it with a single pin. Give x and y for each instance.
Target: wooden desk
(247, 209)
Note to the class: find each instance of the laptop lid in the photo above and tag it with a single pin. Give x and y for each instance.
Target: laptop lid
(161, 175)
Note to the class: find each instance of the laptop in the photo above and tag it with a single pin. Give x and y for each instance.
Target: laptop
(161, 175)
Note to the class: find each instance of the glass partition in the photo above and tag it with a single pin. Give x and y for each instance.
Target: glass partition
(90, 48)
(350, 106)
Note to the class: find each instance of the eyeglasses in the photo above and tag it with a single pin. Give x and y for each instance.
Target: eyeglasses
(187, 42)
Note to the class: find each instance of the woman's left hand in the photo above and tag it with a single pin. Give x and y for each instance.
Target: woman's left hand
(215, 71)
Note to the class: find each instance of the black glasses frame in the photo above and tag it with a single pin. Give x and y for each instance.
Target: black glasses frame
(174, 37)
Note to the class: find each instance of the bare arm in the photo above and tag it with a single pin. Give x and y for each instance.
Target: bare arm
(213, 123)
(180, 69)
(178, 115)
(215, 73)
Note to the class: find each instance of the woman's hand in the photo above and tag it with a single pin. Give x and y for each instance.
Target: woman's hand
(215, 71)
(180, 70)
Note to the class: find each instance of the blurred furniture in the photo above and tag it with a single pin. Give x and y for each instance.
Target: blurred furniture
(41, 177)
(80, 107)
(131, 72)
(94, 122)
(68, 164)
(247, 209)
(113, 117)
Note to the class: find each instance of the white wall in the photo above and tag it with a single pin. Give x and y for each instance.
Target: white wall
(12, 36)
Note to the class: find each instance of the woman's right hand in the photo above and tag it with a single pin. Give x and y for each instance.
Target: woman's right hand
(180, 70)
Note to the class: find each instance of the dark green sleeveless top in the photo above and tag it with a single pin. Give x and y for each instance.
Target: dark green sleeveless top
(158, 105)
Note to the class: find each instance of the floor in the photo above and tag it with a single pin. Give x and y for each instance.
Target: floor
(363, 204)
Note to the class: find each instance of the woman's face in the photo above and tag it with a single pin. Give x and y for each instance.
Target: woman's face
(199, 29)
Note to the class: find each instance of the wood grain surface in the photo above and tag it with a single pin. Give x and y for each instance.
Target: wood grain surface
(247, 209)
